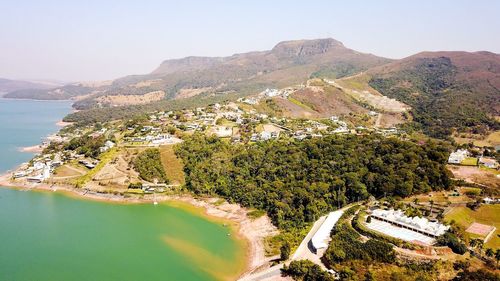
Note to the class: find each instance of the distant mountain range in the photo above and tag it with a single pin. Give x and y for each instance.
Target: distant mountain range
(446, 90)
(7, 85)
(287, 63)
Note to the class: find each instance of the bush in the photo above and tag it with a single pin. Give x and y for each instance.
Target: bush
(449, 239)
(135, 185)
(285, 251)
(306, 270)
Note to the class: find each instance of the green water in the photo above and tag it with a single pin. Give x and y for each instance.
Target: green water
(50, 236)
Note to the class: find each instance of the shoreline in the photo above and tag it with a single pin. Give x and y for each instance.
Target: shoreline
(251, 232)
(31, 149)
(28, 99)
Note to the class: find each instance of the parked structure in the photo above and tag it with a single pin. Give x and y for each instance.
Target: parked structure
(322, 236)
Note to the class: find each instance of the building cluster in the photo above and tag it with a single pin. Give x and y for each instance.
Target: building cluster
(40, 168)
(417, 224)
(457, 157)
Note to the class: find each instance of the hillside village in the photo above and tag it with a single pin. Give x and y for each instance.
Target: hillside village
(101, 159)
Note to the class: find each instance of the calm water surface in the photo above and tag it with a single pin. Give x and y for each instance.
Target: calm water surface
(50, 236)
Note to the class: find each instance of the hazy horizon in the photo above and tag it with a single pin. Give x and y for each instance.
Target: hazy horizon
(101, 41)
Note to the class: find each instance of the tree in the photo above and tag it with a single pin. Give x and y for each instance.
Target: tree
(480, 245)
(497, 255)
(285, 251)
(489, 252)
(473, 243)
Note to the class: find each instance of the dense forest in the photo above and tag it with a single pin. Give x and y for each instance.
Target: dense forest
(148, 164)
(296, 182)
(440, 102)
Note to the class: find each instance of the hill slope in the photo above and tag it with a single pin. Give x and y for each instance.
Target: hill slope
(447, 90)
(288, 63)
(7, 85)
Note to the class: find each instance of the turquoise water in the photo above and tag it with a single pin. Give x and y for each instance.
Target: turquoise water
(24, 123)
(50, 236)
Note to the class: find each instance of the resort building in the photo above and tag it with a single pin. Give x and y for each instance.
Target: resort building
(416, 224)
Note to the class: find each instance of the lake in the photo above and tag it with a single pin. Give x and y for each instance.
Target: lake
(51, 236)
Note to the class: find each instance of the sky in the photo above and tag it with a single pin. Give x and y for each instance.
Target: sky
(70, 40)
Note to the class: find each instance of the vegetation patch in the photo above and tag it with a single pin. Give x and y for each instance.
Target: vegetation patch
(296, 182)
(104, 159)
(148, 164)
(471, 161)
(486, 214)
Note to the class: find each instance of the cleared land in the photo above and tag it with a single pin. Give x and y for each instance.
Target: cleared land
(357, 86)
(173, 165)
(478, 175)
(486, 214)
(492, 139)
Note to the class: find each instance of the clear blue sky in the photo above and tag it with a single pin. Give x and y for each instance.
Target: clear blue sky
(97, 40)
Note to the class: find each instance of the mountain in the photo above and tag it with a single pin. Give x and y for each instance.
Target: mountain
(448, 91)
(7, 85)
(288, 63)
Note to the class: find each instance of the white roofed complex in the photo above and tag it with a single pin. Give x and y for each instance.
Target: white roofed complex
(404, 225)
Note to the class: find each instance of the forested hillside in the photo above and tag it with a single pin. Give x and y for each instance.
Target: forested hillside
(296, 182)
(447, 90)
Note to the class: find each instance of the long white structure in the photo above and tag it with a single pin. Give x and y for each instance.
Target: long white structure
(321, 237)
(420, 225)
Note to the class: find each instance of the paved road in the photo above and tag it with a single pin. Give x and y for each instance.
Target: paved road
(302, 252)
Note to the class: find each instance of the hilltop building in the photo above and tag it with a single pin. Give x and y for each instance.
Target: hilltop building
(458, 156)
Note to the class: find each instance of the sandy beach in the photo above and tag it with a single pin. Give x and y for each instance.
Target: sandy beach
(61, 123)
(31, 149)
(252, 231)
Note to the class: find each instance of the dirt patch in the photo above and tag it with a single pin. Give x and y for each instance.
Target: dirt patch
(478, 175)
(388, 120)
(317, 102)
(188, 93)
(119, 100)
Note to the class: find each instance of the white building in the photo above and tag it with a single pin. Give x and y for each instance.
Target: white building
(107, 146)
(458, 156)
(271, 92)
(420, 225)
(488, 162)
(162, 139)
(322, 236)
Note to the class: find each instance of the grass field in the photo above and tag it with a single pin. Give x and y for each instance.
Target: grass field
(486, 214)
(173, 165)
(299, 103)
(471, 161)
